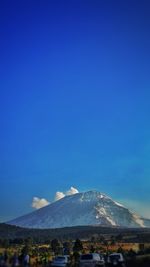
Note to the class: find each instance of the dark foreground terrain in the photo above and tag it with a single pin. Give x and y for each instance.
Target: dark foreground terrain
(82, 232)
(44, 245)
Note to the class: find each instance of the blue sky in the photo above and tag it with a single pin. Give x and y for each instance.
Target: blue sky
(74, 101)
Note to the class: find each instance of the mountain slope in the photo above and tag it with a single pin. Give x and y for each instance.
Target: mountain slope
(89, 208)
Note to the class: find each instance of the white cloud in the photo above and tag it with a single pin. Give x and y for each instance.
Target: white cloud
(72, 191)
(38, 203)
(69, 192)
(59, 195)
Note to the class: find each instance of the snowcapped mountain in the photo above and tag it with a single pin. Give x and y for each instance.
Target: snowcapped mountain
(89, 208)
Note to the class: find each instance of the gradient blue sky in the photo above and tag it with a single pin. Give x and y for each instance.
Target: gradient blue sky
(74, 101)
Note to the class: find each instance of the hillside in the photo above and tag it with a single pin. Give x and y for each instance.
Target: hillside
(82, 232)
(81, 209)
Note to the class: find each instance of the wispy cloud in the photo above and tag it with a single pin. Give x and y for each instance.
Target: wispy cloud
(59, 195)
(38, 203)
(69, 192)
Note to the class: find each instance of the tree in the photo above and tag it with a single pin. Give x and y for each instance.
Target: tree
(112, 240)
(92, 249)
(5, 243)
(56, 246)
(119, 238)
(66, 248)
(25, 250)
(120, 250)
(101, 239)
(78, 246)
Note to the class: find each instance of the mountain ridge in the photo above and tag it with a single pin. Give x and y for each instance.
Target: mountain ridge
(87, 208)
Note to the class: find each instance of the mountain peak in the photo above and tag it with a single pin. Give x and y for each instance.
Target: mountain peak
(93, 194)
(86, 208)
